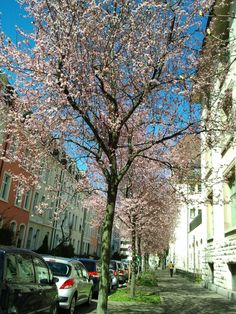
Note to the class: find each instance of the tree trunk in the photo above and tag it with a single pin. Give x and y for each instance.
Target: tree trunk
(146, 262)
(133, 262)
(106, 248)
(139, 256)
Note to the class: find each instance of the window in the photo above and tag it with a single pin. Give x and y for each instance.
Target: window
(230, 200)
(227, 103)
(29, 239)
(192, 188)
(50, 212)
(5, 188)
(42, 203)
(36, 237)
(27, 200)
(210, 217)
(19, 195)
(13, 146)
(84, 272)
(59, 269)
(78, 247)
(192, 213)
(25, 161)
(46, 175)
(13, 226)
(11, 273)
(232, 268)
(41, 271)
(42, 168)
(75, 222)
(35, 202)
(199, 187)
(25, 267)
(20, 236)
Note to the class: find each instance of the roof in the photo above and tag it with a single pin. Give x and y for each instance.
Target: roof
(12, 249)
(60, 259)
(85, 259)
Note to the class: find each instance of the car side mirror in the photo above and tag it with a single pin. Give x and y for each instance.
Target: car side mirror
(55, 280)
(44, 281)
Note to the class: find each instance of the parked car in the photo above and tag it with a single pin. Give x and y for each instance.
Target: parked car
(118, 270)
(74, 285)
(26, 283)
(126, 270)
(93, 268)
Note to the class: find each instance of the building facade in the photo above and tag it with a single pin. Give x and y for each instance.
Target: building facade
(211, 249)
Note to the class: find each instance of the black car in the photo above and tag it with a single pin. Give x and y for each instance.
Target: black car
(26, 283)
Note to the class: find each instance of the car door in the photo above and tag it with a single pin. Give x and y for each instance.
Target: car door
(86, 283)
(79, 279)
(23, 295)
(47, 289)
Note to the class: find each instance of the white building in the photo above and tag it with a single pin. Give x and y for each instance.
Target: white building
(212, 245)
(218, 163)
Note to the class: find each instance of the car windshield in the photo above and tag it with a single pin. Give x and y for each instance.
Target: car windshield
(59, 269)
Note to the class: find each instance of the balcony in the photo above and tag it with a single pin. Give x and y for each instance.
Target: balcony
(195, 222)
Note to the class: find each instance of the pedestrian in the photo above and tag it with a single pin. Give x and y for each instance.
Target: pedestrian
(171, 268)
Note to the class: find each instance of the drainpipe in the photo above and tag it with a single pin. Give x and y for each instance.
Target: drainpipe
(194, 255)
(4, 154)
(82, 232)
(54, 226)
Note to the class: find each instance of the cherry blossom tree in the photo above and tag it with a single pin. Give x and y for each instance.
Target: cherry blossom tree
(148, 208)
(110, 80)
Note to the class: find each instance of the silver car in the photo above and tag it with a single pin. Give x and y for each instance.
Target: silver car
(74, 285)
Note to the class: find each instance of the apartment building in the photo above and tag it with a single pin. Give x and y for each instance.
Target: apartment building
(216, 254)
(39, 198)
(219, 160)
(13, 208)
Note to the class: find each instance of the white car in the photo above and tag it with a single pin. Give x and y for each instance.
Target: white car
(74, 285)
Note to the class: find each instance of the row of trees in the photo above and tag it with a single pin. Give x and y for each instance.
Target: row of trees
(110, 80)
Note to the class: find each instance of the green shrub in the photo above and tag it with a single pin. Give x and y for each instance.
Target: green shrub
(147, 279)
(6, 236)
(122, 295)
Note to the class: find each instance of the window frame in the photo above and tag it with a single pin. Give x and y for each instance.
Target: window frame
(6, 187)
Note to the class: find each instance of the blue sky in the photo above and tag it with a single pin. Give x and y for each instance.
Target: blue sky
(12, 15)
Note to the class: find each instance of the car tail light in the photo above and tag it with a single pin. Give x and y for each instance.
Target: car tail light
(68, 284)
(121, 272)
(93, 274)
(115, 272)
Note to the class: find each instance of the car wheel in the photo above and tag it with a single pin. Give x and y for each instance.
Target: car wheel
(54, 309)
(90, 297)
(72, 305)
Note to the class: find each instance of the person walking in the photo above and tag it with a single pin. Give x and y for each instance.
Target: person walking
(171, 268)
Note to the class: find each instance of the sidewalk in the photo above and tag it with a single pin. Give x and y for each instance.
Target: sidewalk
(181, 296)
(178, 296)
